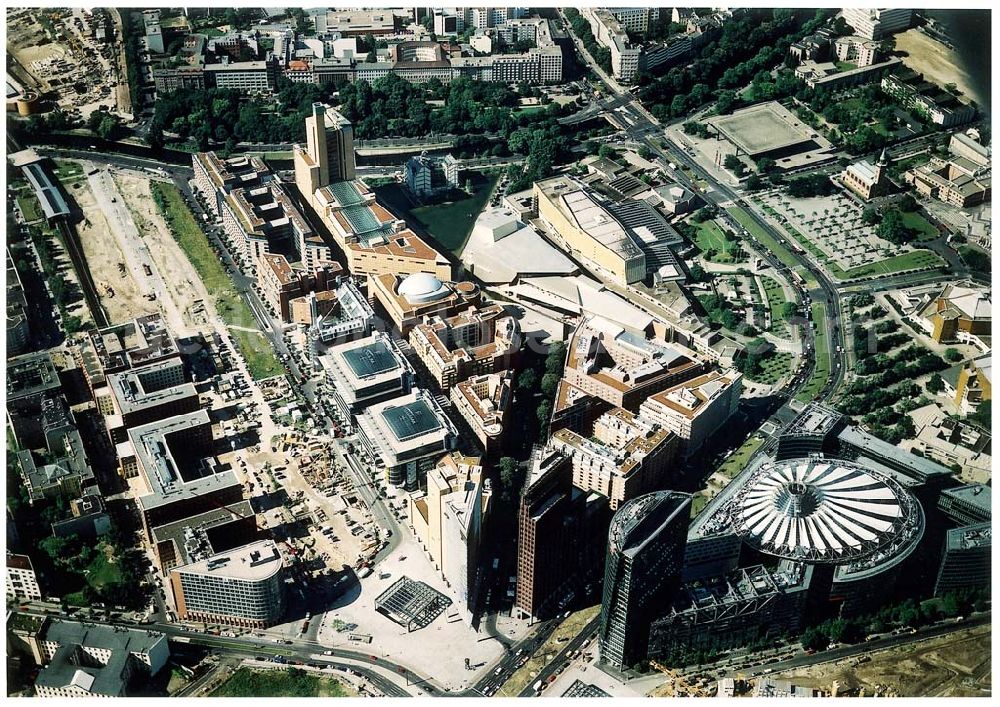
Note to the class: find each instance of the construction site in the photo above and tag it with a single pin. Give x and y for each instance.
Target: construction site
(65, 54)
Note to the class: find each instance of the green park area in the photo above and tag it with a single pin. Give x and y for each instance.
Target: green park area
(292, 682)
(66, 170)
(735, 462)
(921, 259)
(712, 241)
(821, 373)
(29, 206)
(917, 223)
(451, 222)
(775, 303)
(772, 368)
(228, 302)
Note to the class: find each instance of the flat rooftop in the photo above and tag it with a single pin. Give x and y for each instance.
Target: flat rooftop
(254, 562)
(765, 128)
(411, 420)
(371, 359)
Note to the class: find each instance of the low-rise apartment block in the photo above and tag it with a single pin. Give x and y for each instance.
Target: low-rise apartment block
(627, 456)
(485, 401)
(695, 409)
(623, 368)
(473, 342)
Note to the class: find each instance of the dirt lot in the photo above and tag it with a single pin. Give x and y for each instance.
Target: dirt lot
(956, 665)
(100, 247)
(182, 282)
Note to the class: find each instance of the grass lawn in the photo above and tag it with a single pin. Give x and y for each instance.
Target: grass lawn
(231, 307)
(821, 373)
(735, 462)
(779, 251)
(914, 260)
(709, 236)
(845, 66)
(698, 501)
(528, 110)
(775, 299)
(103, 571)
(280, 683)
(450, 223)
(30, 207)
(913, 220)
(257, 351)
(774, 367)
(67, 170)
(568, 630)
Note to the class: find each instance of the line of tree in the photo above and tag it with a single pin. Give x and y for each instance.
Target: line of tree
(601, 54)
(810, 185)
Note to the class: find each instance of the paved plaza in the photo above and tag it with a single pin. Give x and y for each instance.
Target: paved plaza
(834, 225)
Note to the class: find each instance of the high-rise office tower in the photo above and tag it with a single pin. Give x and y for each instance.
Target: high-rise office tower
(328, 155)
(643, 568)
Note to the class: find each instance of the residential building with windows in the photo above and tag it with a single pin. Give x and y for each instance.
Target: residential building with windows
(475, 341)
(622, 368)
(22, 581)
(697, 408)
(928, 100)
(627, 456)
(876, 23)
(95, 660)
(485, 401)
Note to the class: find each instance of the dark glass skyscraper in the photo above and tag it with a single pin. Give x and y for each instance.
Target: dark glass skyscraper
(643, 568)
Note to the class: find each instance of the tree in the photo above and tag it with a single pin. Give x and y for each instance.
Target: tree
(789, 310)
(543, 413)
(508, 477)
(528, 380)
(953, 355)
(550, 381)
(982, 414)
(870, 215)
(893, 229)
(732, 162)
(607, 152)
(814, 640)
(697, 273)
(155, 136)
(908, 203)
(935, 384)
(765, 165)
(55, 547)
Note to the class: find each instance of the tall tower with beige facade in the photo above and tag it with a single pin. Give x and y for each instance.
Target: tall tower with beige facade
(328, 155)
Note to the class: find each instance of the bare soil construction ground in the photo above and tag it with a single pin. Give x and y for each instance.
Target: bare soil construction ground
(100, 247)
(956, 665)
(182, 282)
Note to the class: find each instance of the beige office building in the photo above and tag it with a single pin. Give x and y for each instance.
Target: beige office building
(447, 521)
(695, 409)
(328, 155)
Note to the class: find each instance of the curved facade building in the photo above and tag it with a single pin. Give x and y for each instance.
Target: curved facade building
(855, 519)
(241, 587)
(644, 561)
